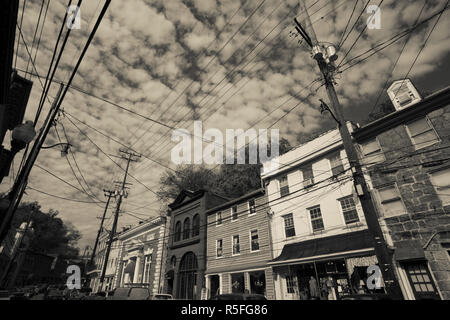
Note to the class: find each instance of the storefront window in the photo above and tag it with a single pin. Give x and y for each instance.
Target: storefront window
(258, 282)
(237, 283)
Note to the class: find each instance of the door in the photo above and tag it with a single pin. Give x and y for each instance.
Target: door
(421, 281)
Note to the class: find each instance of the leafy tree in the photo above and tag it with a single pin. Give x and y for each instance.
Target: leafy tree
(229, 180)
(50, 234)
(385, 108)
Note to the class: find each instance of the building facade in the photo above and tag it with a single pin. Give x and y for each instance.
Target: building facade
(141, 253)
(99, 261)
(186, 258)
(239, 247)
(406, 155)
(321, 244)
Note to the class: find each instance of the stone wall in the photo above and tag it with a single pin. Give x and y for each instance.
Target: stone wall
(426, 219)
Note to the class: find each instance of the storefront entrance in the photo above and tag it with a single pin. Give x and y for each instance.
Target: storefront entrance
(214, 285)
(187, 277)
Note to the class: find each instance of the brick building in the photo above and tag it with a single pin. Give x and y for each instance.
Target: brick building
(186, 255)
(239, 247)
(406, 156)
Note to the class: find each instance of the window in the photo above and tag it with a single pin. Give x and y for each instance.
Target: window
(349, 210)
(289, 228)
(254, 239)
(391, 202)
(284, 186)
(186, 228)
(308, 176)
(290, 284)
(336, 164)
(316, 219)
(147, 266)
(420, 279)
(196, 225)
(422, 133)
(371, 152)
(234, 213)
(251, 207)
(178, 231)
(218, 218)
(219, 248)
(441, 182)
(236, 247)
(173, 261)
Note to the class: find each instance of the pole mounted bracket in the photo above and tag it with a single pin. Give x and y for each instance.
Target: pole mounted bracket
(324, 107)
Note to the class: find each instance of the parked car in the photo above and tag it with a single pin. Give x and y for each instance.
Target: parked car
(95, 296)
(162, 296)
(239, 296)
(130, 293)
(54, 294)
(367, 296)
(5, 295)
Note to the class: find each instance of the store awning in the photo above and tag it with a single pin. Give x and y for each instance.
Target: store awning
(409, 250)
(130, 267)
(347, 243)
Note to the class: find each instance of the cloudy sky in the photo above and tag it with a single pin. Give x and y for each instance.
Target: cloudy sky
(230, 63)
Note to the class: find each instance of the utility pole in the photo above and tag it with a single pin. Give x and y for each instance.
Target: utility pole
(108, 195)
(129, 157)
(16, 252)
(325, 60)
(16, 193)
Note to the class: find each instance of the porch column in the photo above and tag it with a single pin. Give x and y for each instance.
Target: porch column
(137, 269)
(208, 285)
(220, 283)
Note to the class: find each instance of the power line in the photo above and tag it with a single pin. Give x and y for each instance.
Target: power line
(360, 34)
(398, 58)
(422, 47)
(62, 198)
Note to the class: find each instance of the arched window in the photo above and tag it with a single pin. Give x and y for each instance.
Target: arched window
(187, 276)
(196, 225)
(186, 228)
(178, 231)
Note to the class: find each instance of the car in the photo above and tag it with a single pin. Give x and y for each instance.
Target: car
(239, 296)
(130, 293)
(162, 296)
(54, 294)
(5, 295)
(367, 296)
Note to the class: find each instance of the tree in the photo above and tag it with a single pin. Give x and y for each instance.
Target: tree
(229, 180)
(50, 234)
(383, 109)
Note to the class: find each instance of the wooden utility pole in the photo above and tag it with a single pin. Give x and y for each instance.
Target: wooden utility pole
(108, 195)
(129, 157)
(381, 250)
(16, 193)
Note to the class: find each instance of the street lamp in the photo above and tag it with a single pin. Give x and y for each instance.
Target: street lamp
(22, 135)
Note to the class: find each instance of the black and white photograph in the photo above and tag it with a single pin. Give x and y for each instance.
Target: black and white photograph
(224, 155)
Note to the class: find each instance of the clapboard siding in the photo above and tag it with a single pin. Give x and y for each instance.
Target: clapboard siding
(242, 227)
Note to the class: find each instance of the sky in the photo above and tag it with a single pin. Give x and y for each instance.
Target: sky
(232, 64)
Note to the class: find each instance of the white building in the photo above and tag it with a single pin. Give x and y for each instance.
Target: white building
(142, 254)
(320, 239)
(99, 261)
